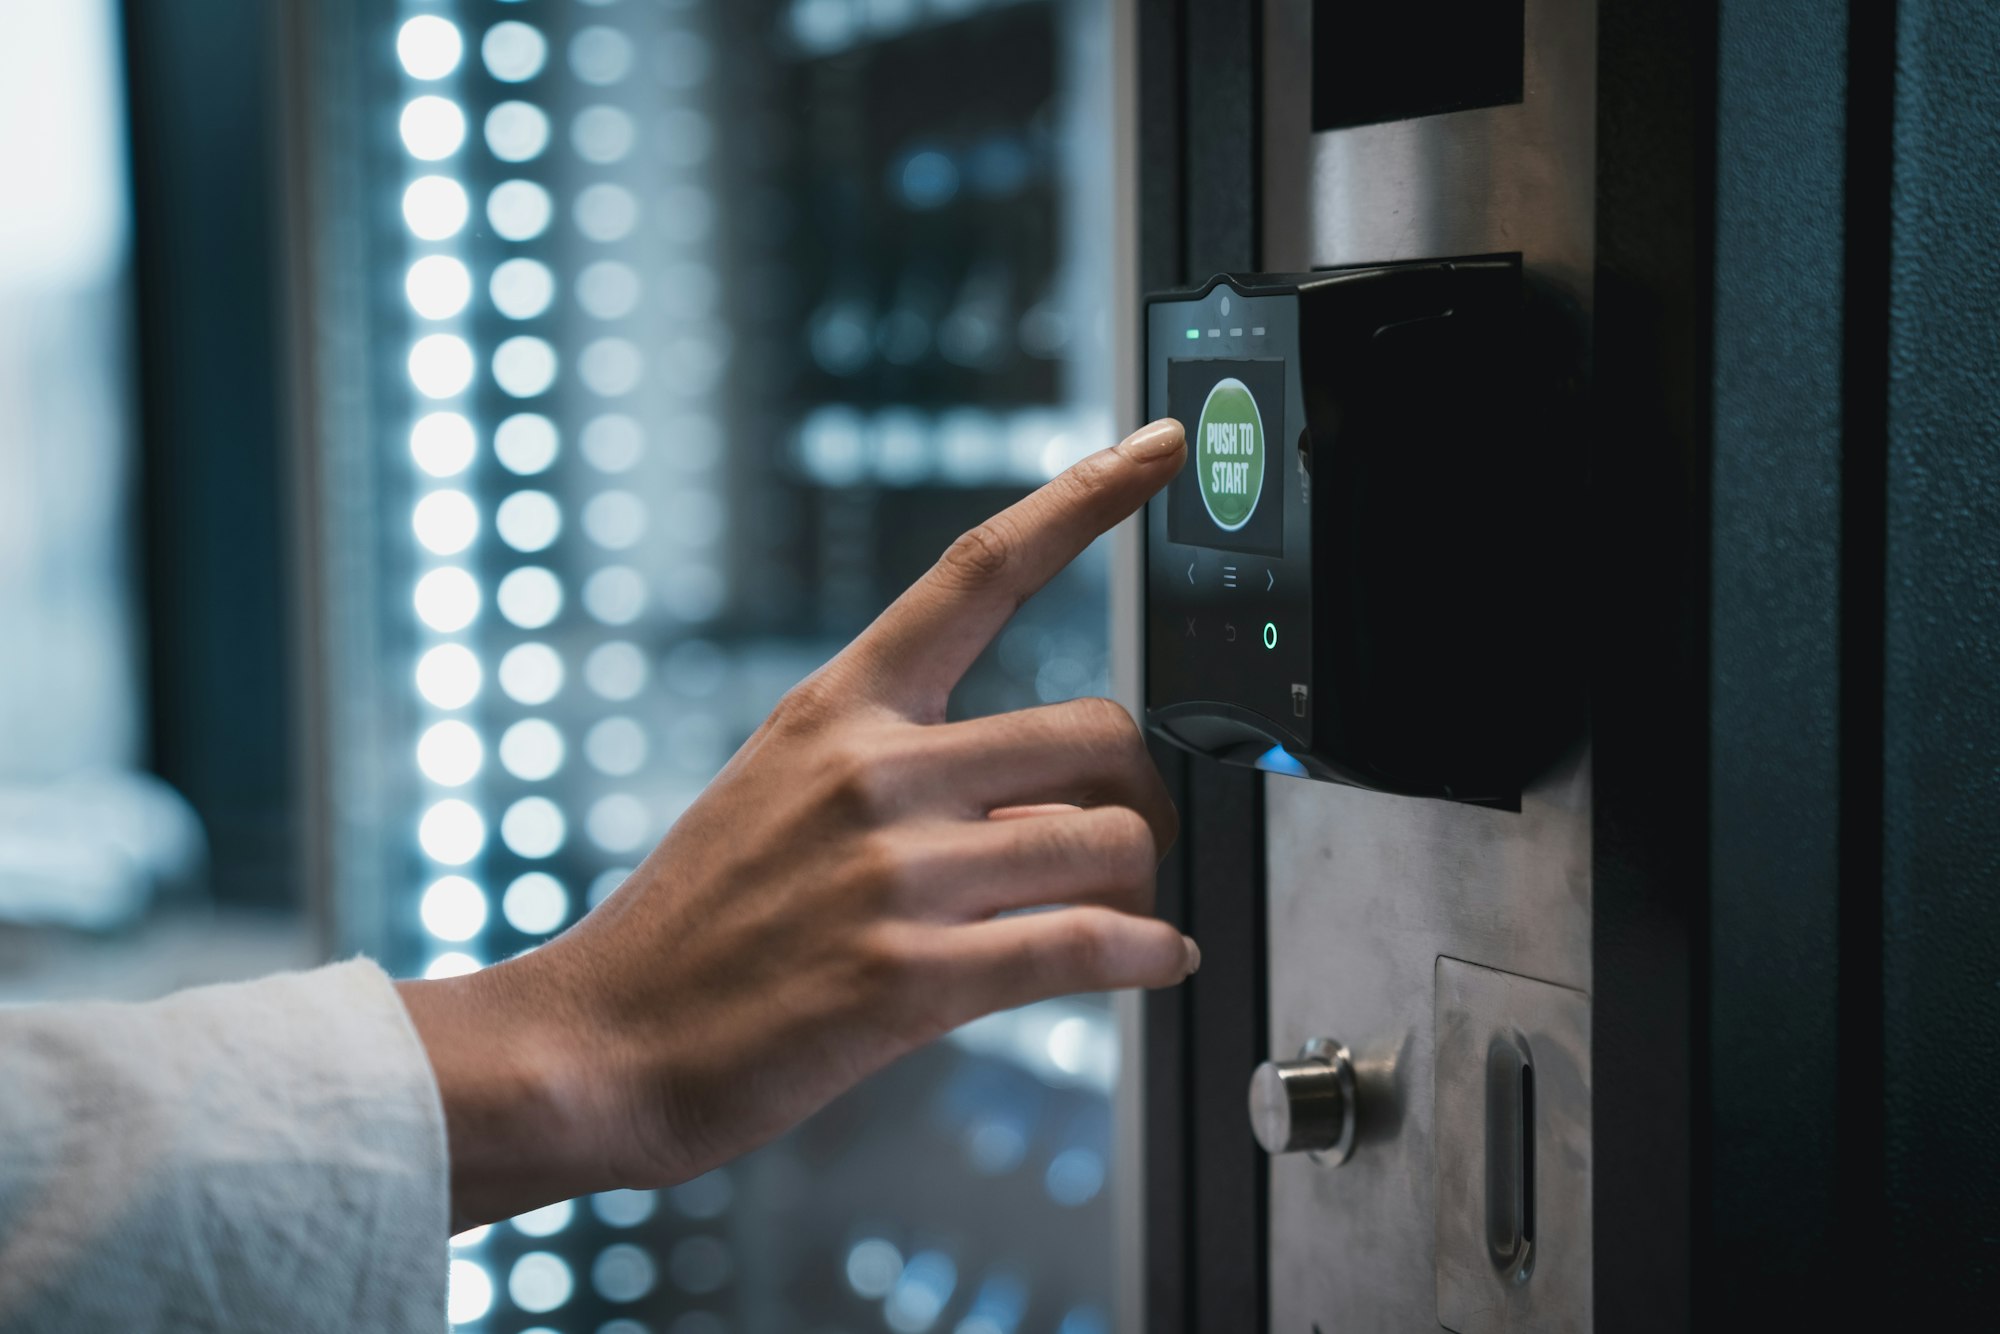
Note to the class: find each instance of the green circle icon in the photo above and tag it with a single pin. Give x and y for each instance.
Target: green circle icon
(1229, 454)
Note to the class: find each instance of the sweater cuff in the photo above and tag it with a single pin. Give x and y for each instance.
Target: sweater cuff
(261, 1155)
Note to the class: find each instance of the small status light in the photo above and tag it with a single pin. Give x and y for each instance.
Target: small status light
(1193, 334)
(1270, 634)
(1278, 760)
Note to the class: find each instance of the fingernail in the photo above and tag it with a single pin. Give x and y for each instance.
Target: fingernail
(1193, 954)
(1154, 441)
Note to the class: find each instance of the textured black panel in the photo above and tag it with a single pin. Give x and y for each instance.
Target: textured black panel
(1857, 1115)
(1162, 144)
(1648, 651)
(1775, 606)
(1376, 62)
(1206, 1179)
(1228, 1206)
(1941, 927)
(1169, 1237)
(1223, 102)
(1170, 1262)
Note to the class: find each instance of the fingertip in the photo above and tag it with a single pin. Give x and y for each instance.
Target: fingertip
(1185, 960)
(1155, 442)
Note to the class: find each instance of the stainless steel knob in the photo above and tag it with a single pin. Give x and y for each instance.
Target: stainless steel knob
(1306, 1105)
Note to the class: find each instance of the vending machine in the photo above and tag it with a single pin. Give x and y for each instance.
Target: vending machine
(1556, 646)
(1364, 644)
(1568, 644)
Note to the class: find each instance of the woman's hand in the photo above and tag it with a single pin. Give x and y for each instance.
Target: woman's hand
(839, 895)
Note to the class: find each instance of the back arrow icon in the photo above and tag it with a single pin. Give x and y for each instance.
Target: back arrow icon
(1190, 571)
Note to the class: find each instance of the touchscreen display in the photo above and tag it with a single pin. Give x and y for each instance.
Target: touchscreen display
(1231, 494)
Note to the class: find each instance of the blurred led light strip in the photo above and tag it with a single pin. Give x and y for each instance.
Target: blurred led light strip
(606, 385)
(838, 445)
(526, 443)
(443, 368)
(652, 350)
(826, 27)
(646, 367)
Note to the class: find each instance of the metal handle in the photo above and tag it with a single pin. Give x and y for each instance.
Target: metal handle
(1306, 1105)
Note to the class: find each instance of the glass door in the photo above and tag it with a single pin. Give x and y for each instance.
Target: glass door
(658, 346)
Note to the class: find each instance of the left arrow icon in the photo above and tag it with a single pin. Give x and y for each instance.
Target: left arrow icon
(1190, 571)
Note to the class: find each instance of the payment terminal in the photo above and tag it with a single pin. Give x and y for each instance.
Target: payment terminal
(1340, 581)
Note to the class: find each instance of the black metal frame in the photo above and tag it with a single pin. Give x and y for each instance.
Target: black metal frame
(1207, 1183)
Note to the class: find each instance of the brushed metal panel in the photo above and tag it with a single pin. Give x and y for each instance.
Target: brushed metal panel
(1547, 1287)
(1510, 179)
(1366, 891)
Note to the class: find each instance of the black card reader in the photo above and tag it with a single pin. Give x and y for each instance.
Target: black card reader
(1343, 582)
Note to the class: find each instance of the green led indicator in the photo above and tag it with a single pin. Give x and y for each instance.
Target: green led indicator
(1270, 634)
(1194, 333)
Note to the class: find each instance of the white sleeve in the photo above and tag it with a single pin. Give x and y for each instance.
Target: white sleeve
(262, 1156)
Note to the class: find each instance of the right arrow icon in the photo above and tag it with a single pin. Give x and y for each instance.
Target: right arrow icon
(1270, 580)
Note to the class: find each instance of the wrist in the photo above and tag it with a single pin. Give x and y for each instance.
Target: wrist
(508, 1058)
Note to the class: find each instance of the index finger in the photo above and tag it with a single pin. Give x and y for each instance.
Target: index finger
(916, 651)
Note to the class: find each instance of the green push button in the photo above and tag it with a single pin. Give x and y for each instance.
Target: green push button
(1229, 454)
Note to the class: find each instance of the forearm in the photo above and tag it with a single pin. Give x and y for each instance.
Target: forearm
(509, 1053)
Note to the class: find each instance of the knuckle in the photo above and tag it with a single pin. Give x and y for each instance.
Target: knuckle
(804, 707)
(1087, 945)
(888, 868)
(894, 978)
(981, 554)
(1125, 865)
(1128, 843)
(1084, 479)
(860, 785)
(884, 964)
(1091, 487)
(1107, 718)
